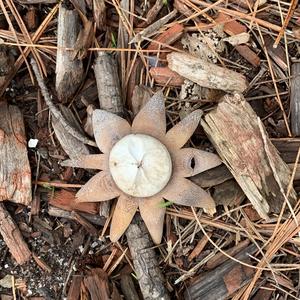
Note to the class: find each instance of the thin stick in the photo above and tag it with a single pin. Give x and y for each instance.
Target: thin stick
(55, 111)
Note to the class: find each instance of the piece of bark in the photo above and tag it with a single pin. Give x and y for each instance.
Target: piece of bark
(165, 76)
(15, 173)
(97, 284)
(13, 237)
(233, 27)
(74, 290)
(241, 141)
(153, 28)
(85, 223)
(212, 177)
(141, 95)
(6, 63)
(220, 258)
(206, 74)
(278, 54)
(67, 200)
(71, 145)
(288, 148)
(224, 280)
(69, 71)
(199, 247)
(128, 289)
(295, 99)
(60, 213)
(228, 193)
(99, 12)
(145, 262)
(168, 37)
(108, 83)
(152, 13)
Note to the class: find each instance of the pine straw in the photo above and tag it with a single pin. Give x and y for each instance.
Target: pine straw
(274, 240)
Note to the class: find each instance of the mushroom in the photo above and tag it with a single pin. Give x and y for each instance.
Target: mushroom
(142, 165)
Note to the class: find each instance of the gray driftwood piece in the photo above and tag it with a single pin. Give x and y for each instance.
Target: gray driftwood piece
(206, 74)
(15, 173)
(108, 83)
(69, 71)
(242, 142)
(295, 99)
(71, 145)
(145, 262)
(13, 237)
(224, 280)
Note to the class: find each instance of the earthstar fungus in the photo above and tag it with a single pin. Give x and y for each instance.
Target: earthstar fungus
(142, 165)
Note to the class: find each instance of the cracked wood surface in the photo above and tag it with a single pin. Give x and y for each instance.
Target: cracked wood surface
(15, 173)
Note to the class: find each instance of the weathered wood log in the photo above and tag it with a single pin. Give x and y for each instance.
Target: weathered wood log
(206, 74)
(241, 141)
(295, 99)
(145, 261)
(15, 173)
(61, 213)
(13, 237)
(71, 145)
(69, 71)
(224, 280)
(108, 83)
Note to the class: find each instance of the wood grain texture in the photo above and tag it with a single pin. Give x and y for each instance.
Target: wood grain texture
(108, 83)
(145, 262)
(241, 141)
(15, 173)
(69, 71)
(206, 74)
(295, 99)
(223, 281)
(13, 237)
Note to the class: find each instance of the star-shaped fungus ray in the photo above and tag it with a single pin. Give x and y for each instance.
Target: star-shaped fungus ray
(178, 135)
(184, 192)
(123, 214)
(153, 213)
(190, 161)
(100, 187)
(108, 129)
(151, 119)
(91, 161)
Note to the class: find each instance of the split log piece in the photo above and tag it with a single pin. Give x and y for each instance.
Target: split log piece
(224, 280)
(15, 173)
(295, 99)
(69, 71)
(241, 141)
(71, 145)
(61, 213)
(13, 237)
(206, 74)
(145, 262)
